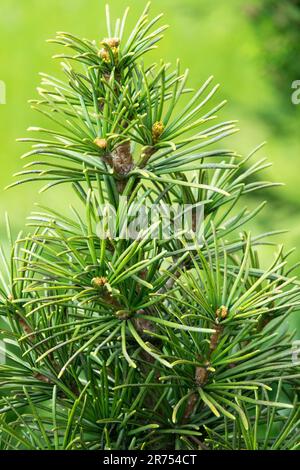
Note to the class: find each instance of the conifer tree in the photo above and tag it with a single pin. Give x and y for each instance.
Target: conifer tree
(153, 341)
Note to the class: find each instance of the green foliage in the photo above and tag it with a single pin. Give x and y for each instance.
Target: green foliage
(152, 343)
(277, 24)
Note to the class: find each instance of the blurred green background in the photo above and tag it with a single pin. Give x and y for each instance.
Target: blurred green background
(250, 46)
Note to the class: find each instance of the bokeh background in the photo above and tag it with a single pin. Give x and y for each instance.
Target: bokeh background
(252, 47)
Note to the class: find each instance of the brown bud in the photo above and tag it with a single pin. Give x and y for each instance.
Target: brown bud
(99, 282)
(222, 312)
(157, 130)
(101, 143)
(104, 54)
(111, 42)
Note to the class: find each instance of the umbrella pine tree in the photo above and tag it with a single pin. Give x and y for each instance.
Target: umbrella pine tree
(144, 340)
